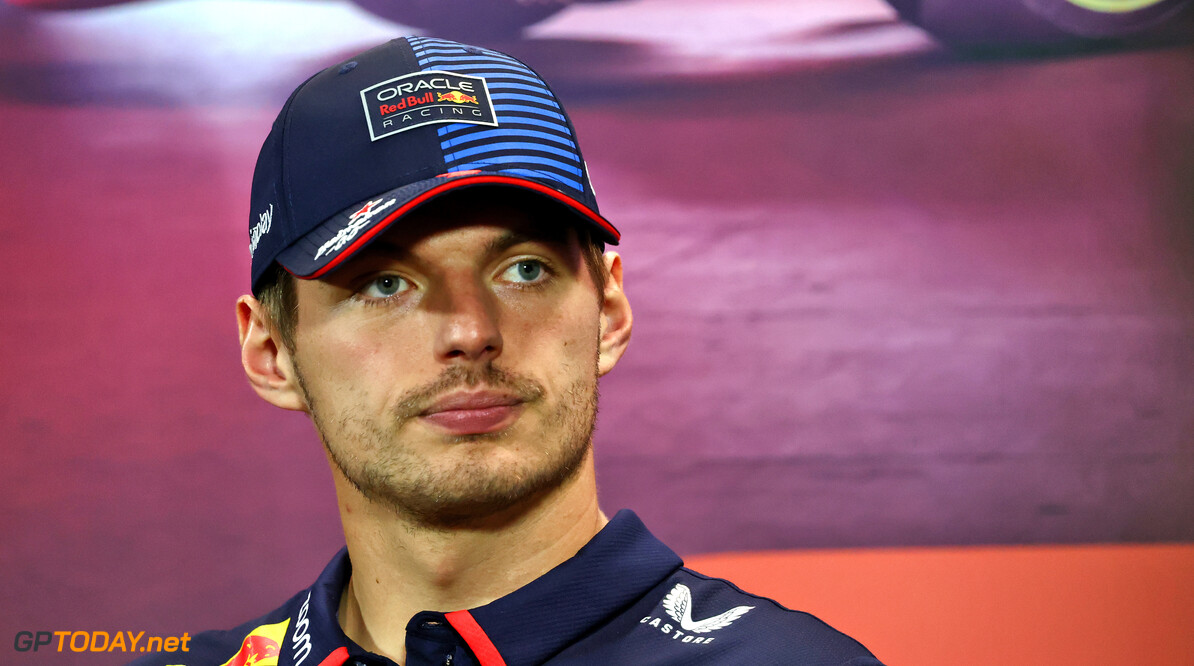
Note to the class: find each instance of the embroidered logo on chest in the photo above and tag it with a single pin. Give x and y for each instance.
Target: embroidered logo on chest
(678, 606)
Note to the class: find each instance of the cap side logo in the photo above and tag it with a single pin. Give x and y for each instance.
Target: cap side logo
(356, 222)
(425, 98)
(264, 222)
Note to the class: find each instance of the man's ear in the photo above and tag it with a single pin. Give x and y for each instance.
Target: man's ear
(265, 358)
(616, 319)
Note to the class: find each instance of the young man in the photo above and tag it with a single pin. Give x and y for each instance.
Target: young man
(430, 287)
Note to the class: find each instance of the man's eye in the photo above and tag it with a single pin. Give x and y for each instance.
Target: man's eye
(528, 270)
(385, 286)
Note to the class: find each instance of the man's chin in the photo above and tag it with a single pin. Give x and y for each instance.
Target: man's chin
(476, 512)
(486, 485)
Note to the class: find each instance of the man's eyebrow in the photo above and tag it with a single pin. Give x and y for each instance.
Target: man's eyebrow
(510, 238)
(506, 240)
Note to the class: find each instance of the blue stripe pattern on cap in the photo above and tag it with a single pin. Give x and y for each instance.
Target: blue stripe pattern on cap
(532, 138)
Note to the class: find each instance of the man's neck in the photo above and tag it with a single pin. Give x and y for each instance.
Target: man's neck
(400, 568)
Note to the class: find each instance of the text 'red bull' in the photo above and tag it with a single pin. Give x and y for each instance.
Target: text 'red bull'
(409, 102)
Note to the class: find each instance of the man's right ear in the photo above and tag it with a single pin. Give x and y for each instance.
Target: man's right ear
(265, 358)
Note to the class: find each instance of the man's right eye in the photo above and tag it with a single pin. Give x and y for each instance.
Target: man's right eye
(385, 286)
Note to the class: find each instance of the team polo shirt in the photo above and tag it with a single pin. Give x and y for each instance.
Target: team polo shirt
(624, 598)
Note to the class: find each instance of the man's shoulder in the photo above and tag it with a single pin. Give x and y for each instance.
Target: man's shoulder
(767, 611)
(260, 637)
(694, 618)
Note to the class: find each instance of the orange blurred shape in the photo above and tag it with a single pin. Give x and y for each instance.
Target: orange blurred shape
(989, 606)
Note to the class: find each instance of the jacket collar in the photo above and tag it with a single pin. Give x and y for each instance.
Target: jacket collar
(612, 571)
(616, 568)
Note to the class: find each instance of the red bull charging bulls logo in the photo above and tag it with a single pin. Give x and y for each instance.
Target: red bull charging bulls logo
(455, 96)
(261, 647)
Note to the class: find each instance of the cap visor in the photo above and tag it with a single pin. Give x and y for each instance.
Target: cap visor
(328, 245)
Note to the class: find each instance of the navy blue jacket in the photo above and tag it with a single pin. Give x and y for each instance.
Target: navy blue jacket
(625, 598)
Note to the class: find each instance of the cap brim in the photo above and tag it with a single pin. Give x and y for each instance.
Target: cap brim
(331, 243)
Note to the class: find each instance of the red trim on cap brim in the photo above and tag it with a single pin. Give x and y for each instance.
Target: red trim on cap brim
(453, 184)
(472, 633)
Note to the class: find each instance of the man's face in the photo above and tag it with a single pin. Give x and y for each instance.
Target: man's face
(451, 367)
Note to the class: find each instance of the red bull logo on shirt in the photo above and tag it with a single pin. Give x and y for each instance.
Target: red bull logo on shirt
(261, 647)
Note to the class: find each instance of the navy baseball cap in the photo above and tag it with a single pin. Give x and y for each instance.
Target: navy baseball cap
(362, 143)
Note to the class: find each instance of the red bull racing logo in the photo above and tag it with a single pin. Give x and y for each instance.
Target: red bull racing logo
(423, 98)
(412, 101)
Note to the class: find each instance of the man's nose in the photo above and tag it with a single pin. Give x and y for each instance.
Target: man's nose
(469, 329)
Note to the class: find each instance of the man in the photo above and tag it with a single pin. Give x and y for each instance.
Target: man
(430, 287)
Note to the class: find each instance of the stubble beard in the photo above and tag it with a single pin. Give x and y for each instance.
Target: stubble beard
(387, 471)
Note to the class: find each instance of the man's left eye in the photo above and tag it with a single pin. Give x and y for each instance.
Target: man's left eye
(528, 270)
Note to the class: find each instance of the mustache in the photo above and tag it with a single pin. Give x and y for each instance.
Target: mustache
(419, 399)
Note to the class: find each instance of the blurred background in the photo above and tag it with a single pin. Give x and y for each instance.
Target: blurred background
(911, 280)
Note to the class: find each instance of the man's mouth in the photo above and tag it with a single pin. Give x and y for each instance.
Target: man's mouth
(474, 412)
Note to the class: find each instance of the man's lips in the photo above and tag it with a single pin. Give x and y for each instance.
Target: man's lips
(474, 413)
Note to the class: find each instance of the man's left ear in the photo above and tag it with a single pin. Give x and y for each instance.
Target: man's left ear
(616, 319)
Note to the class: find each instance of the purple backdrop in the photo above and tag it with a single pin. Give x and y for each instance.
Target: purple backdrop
(884, 295)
